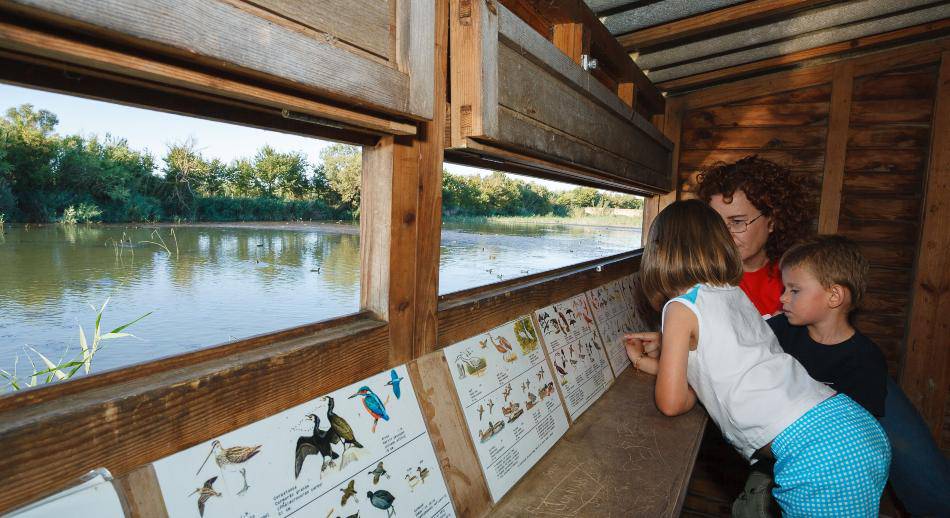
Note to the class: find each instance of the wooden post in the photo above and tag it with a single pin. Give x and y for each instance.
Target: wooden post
(388, 231)
(672, 122)
(573, 39)
(140, 493)
(431, 140)
(835, 147)
(628, 94)
(925, 375)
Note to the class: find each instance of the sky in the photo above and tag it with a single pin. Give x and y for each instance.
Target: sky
(154, 131)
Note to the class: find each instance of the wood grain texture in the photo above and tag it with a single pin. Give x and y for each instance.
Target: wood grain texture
(138, 69)
(917, 85)
(833, 178)
(926, 370)
(124, 419)
(671, 123)
(892, 111)
(473, 42)
(889, 137)
(141, 494)
(780, 137)
(758, 116)
(448, 432)
(289, 57)
(415, 40)
(620, 458)
(572, 39)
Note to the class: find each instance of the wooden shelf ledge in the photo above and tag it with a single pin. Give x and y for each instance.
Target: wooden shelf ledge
(622, 457)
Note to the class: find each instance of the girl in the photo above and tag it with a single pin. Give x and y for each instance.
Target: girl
(831, 455)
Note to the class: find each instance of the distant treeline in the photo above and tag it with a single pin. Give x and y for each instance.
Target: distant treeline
(46, 177)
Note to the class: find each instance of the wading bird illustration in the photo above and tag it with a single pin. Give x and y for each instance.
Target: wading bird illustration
(339, 428)
(372, 404)
(394, 383)
(319, 442)
(382, 499)
(540, 373)
(503, 346)
(349, 491)
(230, 457)
(481, 410)
(507, 391)
(378, 472)
(490, 405)
(206, 491)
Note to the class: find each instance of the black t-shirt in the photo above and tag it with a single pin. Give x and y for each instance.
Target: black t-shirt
(854, 367)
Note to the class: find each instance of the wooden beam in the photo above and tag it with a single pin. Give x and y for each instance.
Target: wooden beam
(926, 370)
(141, 494)
(573, 39)
(389, 194)
(799, 58)
(627, 92)
(429, 234)
(742, 15)
(672, 128)
(836, 145)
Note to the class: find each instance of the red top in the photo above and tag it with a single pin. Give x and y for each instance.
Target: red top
(764, 287)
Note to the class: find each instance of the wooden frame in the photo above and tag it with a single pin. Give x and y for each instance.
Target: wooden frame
(510, 90)
(335, 62)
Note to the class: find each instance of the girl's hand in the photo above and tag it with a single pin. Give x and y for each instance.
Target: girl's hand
(647, 343)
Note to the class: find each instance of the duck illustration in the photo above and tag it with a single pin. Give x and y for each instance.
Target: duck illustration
(413, 481)
(394, 383)
(423, 473)
(378, 472)
(319, 442)
(230, 457)
(372, 404)
(205, 492)
(382, 499)
(339, 428)
(349, 491)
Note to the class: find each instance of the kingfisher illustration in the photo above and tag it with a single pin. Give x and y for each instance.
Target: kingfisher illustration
(373, 405)
(394, 383)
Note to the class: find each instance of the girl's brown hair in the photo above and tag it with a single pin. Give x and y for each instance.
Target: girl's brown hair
(688, 244)
(772, 189)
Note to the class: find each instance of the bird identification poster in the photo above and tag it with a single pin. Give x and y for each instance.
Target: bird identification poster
(614, 313)
(362, 450)
(508, 397)
(576, 351)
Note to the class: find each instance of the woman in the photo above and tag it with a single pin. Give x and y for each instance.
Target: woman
(764, 208)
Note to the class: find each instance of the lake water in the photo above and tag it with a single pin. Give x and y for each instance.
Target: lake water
(209, 284)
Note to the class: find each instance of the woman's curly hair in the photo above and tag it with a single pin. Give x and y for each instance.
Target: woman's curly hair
(771, 188)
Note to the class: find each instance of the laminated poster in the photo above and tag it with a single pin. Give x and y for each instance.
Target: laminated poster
(509, 400)
(576, 351)
(613, 306)
(359, 451)
(92, 495)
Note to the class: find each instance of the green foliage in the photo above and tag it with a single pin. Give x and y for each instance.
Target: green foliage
(84, 213)
(342, 171)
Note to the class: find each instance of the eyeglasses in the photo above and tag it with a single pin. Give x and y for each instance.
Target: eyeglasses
(738, 227)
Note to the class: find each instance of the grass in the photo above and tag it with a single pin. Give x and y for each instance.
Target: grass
(576, 219)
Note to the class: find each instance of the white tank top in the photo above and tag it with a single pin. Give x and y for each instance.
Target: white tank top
(749, 386)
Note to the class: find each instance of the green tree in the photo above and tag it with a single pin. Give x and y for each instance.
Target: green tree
(342, 168)
(280, 175)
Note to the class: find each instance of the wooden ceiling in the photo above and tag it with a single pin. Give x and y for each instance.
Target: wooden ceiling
(684, 45)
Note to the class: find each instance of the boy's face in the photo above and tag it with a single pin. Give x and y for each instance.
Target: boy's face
(805, 301)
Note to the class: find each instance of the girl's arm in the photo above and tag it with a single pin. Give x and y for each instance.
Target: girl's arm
(673, 393)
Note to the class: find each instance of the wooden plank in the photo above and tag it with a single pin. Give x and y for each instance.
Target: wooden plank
(291, 58)
(429, 233)
(836, 149)
(755, 138)
(742, 15)
(796, 160)
(415, 39)
(448, 432)
(896, 111)
(534, 18)
(875, 182)
(885, 161)
(672, 121)
(920, 85)
(627, 92)
(939, 27)
(908, 55)
(474, 75)
(127, 418)
(466, 313)
(33, 42)
(888, 255)
(141, 494)
(880, 231)
(388, 233)
(363, 23)
(886, 207)
(756, 116)
(889, 137)
(925, 377)
(811, 94)
(572, 39)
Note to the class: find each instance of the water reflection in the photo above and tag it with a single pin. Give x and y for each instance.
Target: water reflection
(214, 283)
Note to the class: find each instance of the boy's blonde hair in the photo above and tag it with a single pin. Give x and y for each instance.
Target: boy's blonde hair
(832, 260)
(688, 244)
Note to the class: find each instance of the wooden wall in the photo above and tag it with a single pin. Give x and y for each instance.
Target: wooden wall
(864, 136)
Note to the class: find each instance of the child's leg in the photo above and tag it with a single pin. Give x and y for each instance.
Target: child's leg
(832, 461)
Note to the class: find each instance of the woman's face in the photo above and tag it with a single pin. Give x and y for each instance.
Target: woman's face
(751, 243)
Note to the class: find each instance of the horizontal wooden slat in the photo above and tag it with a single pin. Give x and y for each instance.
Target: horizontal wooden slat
(889, 137)
(885, 254)
(124, 419)
(752, 116)
(754, 138)
(239, 41)
(894, 232)
(873, 181)
(814, 94)
(885, 160)
(883, 207)
(892, 111)
(893, 304)
(919, 85)
(798, 160)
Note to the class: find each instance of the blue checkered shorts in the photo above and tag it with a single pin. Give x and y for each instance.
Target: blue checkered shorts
(832, 461)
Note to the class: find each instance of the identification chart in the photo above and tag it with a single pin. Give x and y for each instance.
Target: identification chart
(579, 358)
(613, 306)
(510, 403)
(359, 451)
